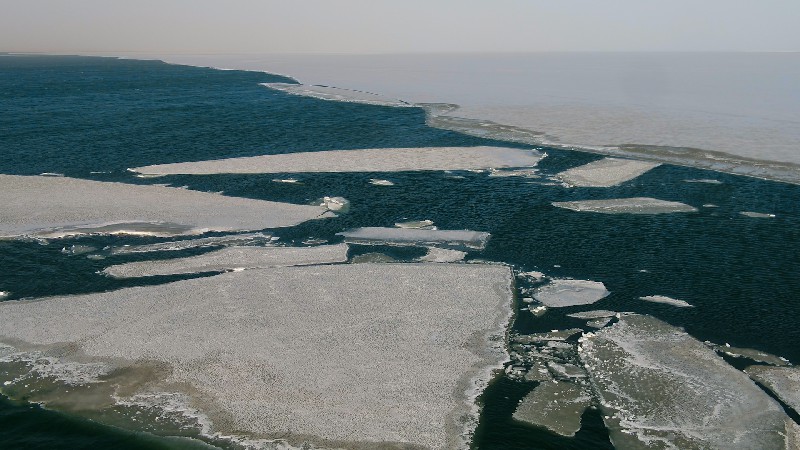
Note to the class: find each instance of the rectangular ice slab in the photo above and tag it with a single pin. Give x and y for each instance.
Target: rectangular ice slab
(57, 206)
(367, 160)
(233, 258)
(344, 355)
(415, 236)
(661, 388)
(635, 205)
(606, 172)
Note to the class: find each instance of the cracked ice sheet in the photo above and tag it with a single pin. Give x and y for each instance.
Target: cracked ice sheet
(303, 351)
(366, 160)
(634, 205)
(606, 172)
(661, 388)
(233, 258)
(784, 382)
(557, 406)
(54, 207)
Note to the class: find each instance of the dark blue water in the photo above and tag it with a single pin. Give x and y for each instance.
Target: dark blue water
(76, 116)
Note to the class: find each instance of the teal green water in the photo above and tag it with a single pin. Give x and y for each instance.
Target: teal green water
(79, 116)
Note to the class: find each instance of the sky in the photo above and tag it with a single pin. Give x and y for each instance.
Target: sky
(396, 26)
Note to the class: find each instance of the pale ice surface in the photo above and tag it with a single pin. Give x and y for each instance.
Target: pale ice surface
(233, 258)
(365, 160)
(53, 207)
(757, 215)
(425, 224)
(733, 112)
(455, 239)
(666, 300)
(595, 314)
(557, 406)
(750, 353)
(561, 293)
(337, 94)
(380, 182)
(606, 172)
(635, 205)
(303, 352)
(784, 382)
(443, 255)
(212, 241)
(661, 388)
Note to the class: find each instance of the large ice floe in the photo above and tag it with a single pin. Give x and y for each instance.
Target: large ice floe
(661, 388)
(562, 293)
(635, 205)
(342, 355)
(366, 160)
(336, 94)
(784, 382)
(666, 301)
(555, 405)
(606, 172)
(55, 207)
(233, 258)
(455, 239)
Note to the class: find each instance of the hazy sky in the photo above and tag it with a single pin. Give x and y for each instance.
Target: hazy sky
(384, 26)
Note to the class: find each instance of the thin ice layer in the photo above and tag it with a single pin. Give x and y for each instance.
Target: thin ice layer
(458, 239)
(784, 382)
(233, 258)
(213, 241)
(562, 293)
(336, 94)
(366, 160)
(661, 388)
(635, 205)
(49, 206)
(663, 299)
(557, 406)
(347, 352)
(606, 172)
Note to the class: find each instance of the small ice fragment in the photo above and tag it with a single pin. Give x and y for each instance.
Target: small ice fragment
(379, 182)
(533, 275)
(561, 293)
(4, 294)
(339, 205)
(703, 180)
(538, 311)
(598, 323)
(636, 205)
(51, 174)
(596, 314)
(606, 172)
(285, 180)
(416, 224)
(7, 383)
(456, 239)
(666, 300)
(757, 215)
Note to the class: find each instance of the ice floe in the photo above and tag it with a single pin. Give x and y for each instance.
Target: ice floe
(339, 205)
(282, 352)
(757, 215)
(635, 205)
(379, 182)
(749, 353)
(666, 300)
(233, 258)
(661, 388)
(4, 294)
(418, 224)
(704, 180)
(595, 314)
(212, 241)
(456, 239)
(555, 406)
(562, 293)
(336, 94)
(606, 172)
(784, 382)
(443, 255)
(55, 207)
(366, 160)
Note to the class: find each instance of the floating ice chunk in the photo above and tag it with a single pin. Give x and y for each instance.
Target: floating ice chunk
(232, 258)
(231, 239)
(457, 239)
(54, 207)
(417, 224)
(4, 294)
(533, 275)
(598, 323)
(606, 172)
(565, 371)
(339, 205)
(750, 353)
(77, 249)
(51, 174)
(596, 314)
(249, 342)
(635, 205)
(661, 388)
(443, 255)
(336, 94)
(666, 300)
(557, 407)
(367, 160)
(379, 182)
(540, 338)
(538, 372)
(561, 293)
(285, 180)
(538, 311)
(784, 382)
(704, 180)
(757, 215)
